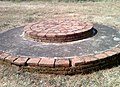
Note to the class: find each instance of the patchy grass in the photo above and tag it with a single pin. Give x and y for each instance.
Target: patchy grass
(13, 14)
(11, 76)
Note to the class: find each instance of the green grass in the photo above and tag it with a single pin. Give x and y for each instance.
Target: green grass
(13, 14)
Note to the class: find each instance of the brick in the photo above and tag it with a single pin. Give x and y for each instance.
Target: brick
(110, 53)
(67, 28)
(21, 61)
(77, 61)
(47, 62)
(11, 58)
(77, 32)
(101, 56)
(62, 29)
(3, 56)
(36, 29)
(57, 31)
(62, 63)
(89, 59)
(28, 31)
(33, 61)
(116, 50)
(33, 34)
(34, 26)
(41, 34)
(50, 34)
(70, 33)
(61, 34)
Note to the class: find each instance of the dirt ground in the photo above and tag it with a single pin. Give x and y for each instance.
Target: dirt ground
(13, 14)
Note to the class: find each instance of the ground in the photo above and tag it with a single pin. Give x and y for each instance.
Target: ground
(13, 14)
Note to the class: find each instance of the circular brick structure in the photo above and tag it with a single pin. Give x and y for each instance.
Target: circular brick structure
(82, 56)
(59, 30)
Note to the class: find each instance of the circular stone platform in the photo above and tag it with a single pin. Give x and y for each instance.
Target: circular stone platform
(59, 30)
(100, 50)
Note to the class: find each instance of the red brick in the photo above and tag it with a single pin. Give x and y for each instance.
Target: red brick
(27, 27)
(47, 62)
(58, 29)
(62, 63)
(50, 34)
(11, 58)
(41, 34)
(77, 31)
(34, 26)
(77, 60)
(3, 55)
(70, 33)
(33, 61)
(89, 59)
(110, 53)
(116, 50)
(63, 31)
(33, 34)
(101, 56)
(20, 61)
(61, 34)
(28, 32)
(36, 29)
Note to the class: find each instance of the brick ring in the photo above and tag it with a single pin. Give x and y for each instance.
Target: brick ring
(104, 51)
(59, 30)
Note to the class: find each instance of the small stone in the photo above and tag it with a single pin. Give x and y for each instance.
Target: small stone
(116, 39)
